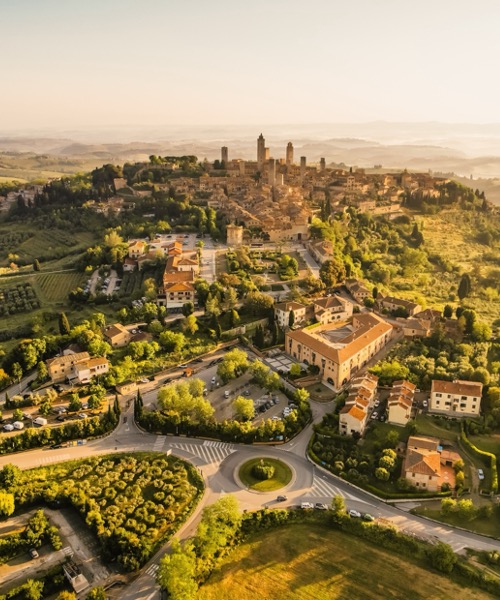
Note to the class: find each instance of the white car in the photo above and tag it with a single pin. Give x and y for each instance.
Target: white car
(8, 427)
(425, 403)
(374, 415)
(354, 514)
(306, 505)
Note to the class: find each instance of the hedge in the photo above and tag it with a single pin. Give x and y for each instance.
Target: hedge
(484, 456)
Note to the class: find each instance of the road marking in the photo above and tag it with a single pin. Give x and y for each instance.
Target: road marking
(210, 452)
(67, 551)
(322, 489)
(159, 443)
(152, 569)
(54, 458)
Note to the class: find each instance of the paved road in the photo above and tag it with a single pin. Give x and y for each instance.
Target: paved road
(218, 463)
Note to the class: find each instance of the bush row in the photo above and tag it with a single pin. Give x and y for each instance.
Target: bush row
(487, 457)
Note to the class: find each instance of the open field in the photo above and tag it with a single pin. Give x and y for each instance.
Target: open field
(301, 562)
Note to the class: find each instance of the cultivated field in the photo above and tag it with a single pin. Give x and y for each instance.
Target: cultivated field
(301, 562)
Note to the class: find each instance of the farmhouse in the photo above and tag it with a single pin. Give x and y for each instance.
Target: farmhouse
(393, 304)
(282, 313)
(456, 398)
(117, 335)
(357, 289)
(427, 465)
(77, 365)
(88, 369)
(332, 308)
(339, 350)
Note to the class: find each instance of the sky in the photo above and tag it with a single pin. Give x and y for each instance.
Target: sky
(97, 63)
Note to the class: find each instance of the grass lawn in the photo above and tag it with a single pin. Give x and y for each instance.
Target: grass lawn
(301, 562)
(436, 427)
(282, 475)
(483, 526)
(377, 432)
(488, 443)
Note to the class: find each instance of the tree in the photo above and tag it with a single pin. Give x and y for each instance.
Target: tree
(332, 272)
(171, 341)
(177, 572)
(9, 476)
(219, 525)
(382, 474)
(42, 372)
(97, 593)
(36, 265)
(258, 338)
(338, 506)
(291, 319)
(243, 408)
(94, 402)
(464, 287)
(17, 415)
(64, 327)
(234, 318)
(190, 324)
(258, 303)
(7, 504)
(187, 309)
(65, 595)
(442, 557)
(33, 589)
(448, 312)
(74, 403)
(234, 364)
(17, 372)
(295, 370)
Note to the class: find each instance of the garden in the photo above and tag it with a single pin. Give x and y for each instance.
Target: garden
(132, 502)
(18, 298)
(265, 474)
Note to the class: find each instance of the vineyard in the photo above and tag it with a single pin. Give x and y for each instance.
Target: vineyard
(55, 287)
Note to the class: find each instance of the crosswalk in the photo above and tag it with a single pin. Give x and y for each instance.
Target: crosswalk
(67, 551)
(159, 443)
(210, 452)
(324, 489)
(51, 458)
(151, 570)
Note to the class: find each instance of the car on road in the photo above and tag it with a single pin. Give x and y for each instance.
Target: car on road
(197, 360)
(480, 474)
(33, 553)
(425, 403)
(354, 514)
(214, 380)
(281, 499)
(61, 419)
(82, 416)
(181, 366)
(247, 392)
(368, 517)
(59, 388)
(226, 394)
(8, 427)
(143, 380)
(376, 403)
(320, 506)
(382, 418)
(306, 505)
(374, 415)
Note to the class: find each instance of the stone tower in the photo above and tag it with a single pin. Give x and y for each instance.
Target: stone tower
(224, 154)
(322, 165)
(289, 154)
(234, 235)
(261, 151)
(302, 168)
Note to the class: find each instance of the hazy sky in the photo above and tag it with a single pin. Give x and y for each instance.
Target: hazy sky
(74, 63)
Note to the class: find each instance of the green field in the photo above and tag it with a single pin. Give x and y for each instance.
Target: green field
(484, 526)
(282, 475)
(301, 562)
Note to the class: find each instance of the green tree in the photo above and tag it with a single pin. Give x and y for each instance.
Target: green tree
(64, 327)
(7, 504)
(218, 527)
(295, 370)
(332, 272)
(10, 476)
(291, 319)
(234, 318)
(190, 324)
(187, 309)
(258, 337)
(33, 589)
(258, 303)
(17, 372)
(448, 312)
(65, 595)
(171, 341)
(74, 403)
(36, 265)
(382, 474)
(235, 363)
(442, 557)
(42, 372)
(338, 507)
(464, 287)
(243, 408)
(177, 572)
(97, 593)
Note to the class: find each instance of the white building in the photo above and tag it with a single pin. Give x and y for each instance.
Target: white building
(456, 398)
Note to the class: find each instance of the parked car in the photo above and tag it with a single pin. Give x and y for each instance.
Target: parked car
(81, 415)
(382, 418)
(320, 506)
(59, 388)
(281, 499)
(306, 505)
(354, 514)
(376, 403)
(226, 394)
(214, 379)
(33, 553)
(374, 415)
(425, 403)
(368, 517)
(143, 380)
(480, 474)
(61, 418)
(8, 427)
(181, 366)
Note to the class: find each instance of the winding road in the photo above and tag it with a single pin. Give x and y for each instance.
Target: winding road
(218, 462)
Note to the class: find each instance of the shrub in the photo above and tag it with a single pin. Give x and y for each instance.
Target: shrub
(263, 471)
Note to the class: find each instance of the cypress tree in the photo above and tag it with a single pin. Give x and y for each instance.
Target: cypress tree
(464, 287)
(64, 327)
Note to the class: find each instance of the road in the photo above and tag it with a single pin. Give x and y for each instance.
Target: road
(218, 462)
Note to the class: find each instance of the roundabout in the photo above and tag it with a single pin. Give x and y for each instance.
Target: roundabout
(264, 474)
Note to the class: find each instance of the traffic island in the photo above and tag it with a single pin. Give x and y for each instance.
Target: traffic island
(264, 474)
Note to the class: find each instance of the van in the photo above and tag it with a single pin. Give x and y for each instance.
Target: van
(40, 421)
(18, 425)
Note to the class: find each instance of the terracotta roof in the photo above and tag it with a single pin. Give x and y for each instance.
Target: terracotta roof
(113, 330)
(399, 302)
(286, 306)
(420, 441)
(403, 383)
(423, 462)
(330, 302)
(458, 387)
(68, 359)
(179, 287)
(370, 328)
(354, 411)
(178, 276)
(428, 313)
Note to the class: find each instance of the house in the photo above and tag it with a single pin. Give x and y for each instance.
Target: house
(77, 365)
(175, 294)
(321, 251)
(400, 403)
(136, 248)
(456, 398)
(415, 327)
(357, 290)
(129, 264)
(75, 577)
(283, 310)
(398, 305)
(90, 368)
(429, 314)
(127, 387)
(332, 308)
(339, 350)
(354, 415)
(62, 367)
(427, 465)
(117, 335)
